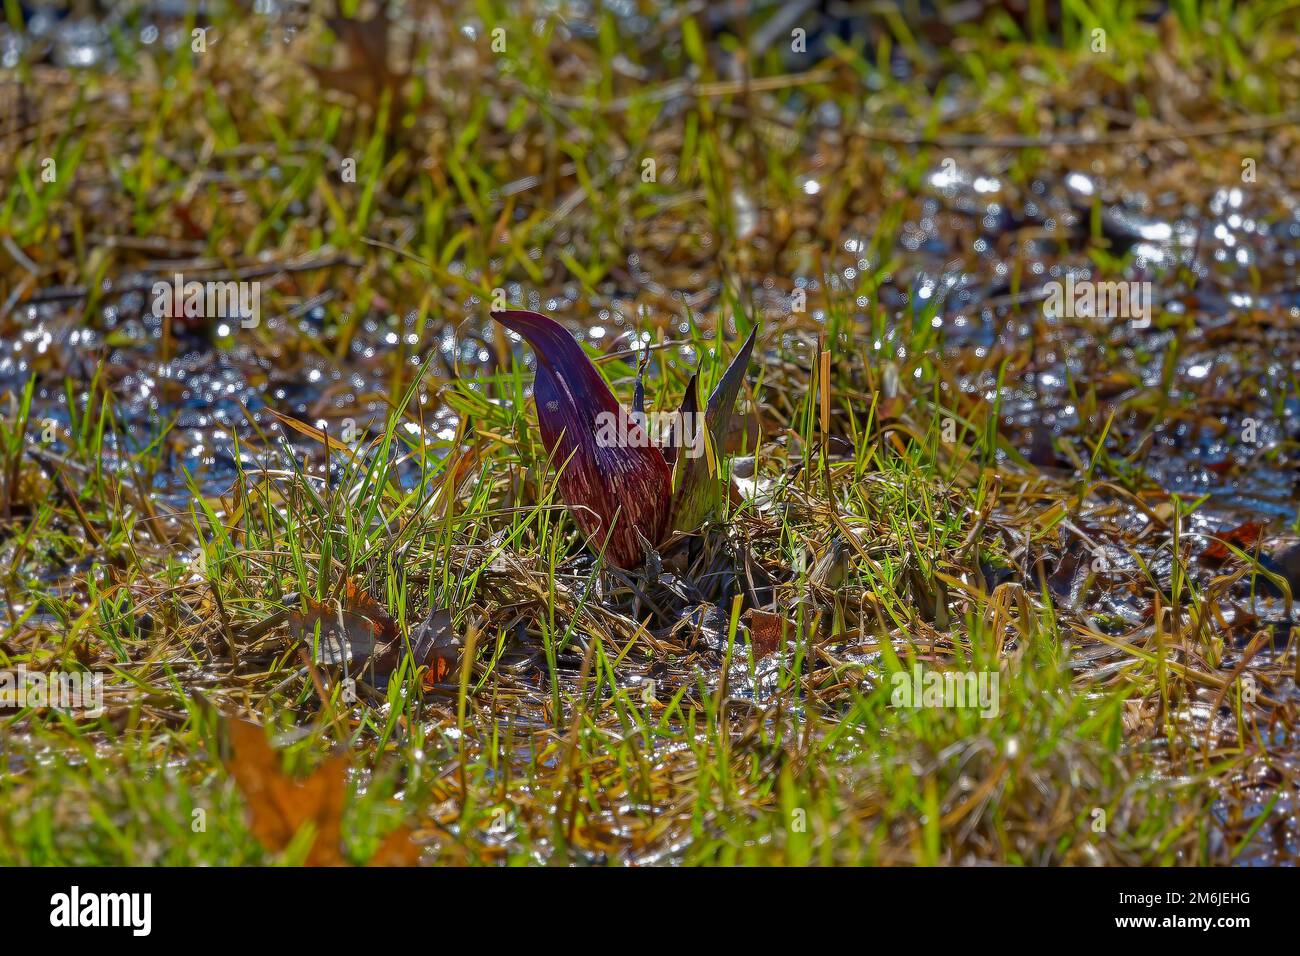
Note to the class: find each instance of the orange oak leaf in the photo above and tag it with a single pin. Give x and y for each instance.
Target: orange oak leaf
(279, 806)
(398, 849)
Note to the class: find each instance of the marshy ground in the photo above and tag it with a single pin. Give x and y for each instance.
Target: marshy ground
(1089, 508)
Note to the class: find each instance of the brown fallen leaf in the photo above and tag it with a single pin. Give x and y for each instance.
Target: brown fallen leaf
(1243, 536)
(766, 631)
(279, 806)
(434, 644)
(398, 849)
(350, 629)
(357, 631)
(369, 71)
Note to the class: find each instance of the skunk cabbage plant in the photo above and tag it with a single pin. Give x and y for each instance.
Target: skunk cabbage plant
(628, 494)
